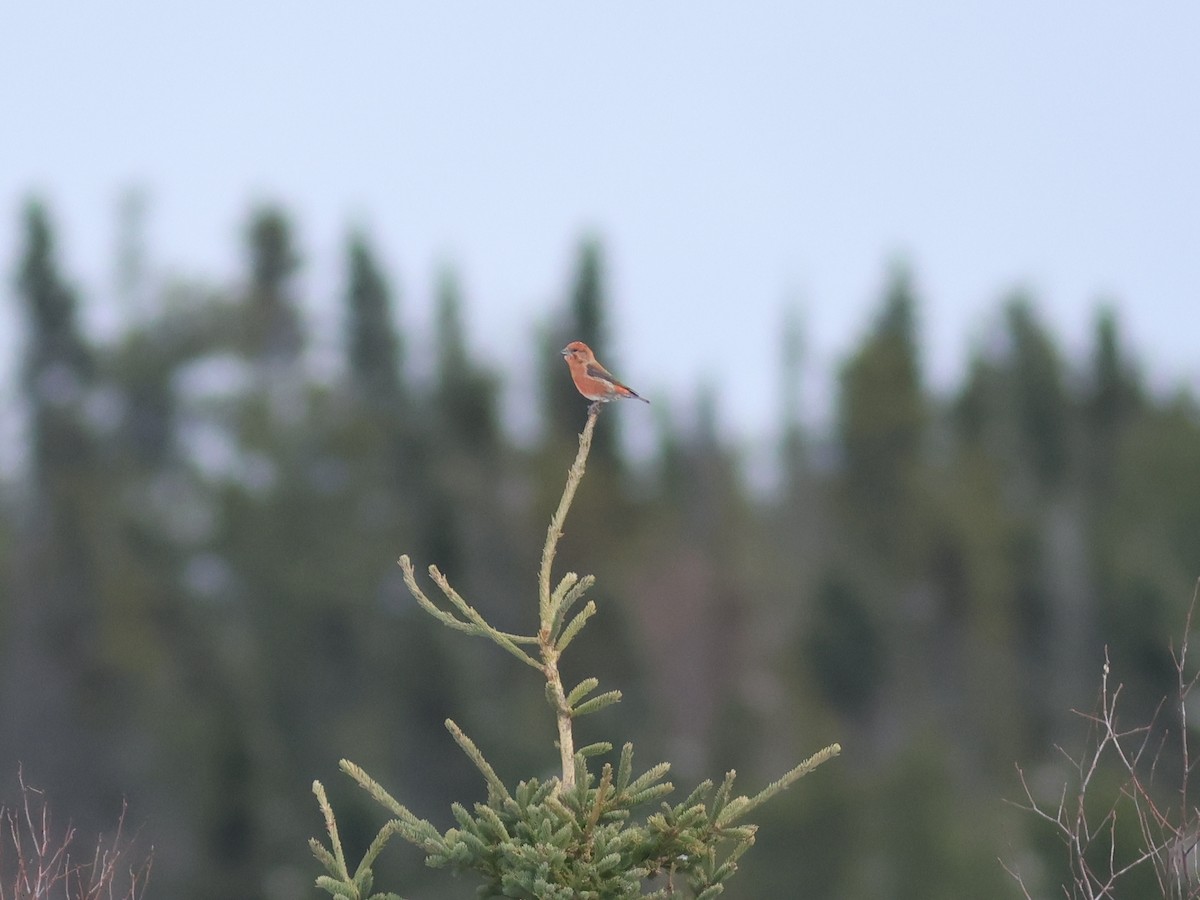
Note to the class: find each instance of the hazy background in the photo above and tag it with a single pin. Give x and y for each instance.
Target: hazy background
(912, 292)
(735, 159)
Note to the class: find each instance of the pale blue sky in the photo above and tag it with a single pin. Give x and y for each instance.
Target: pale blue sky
(734, 157)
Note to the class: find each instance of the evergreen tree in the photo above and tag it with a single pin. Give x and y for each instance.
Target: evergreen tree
(1042, 408)
(377, 436)
(195, 584)
(585, 320)
(1113, 397)
(974, 408)
(52, 655)
(273, 328)
(792, 359)
(463, 453)
(374, 347)
(568, 836)
(881, 422)
(588, 297)
(466, 394)
(694, 547)
(59, 366)
(844, 647)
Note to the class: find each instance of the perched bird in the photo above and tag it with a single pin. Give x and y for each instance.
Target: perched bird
(593, 380)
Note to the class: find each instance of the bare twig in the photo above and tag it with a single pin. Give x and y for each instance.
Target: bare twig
(35, 863)
(1086, 822)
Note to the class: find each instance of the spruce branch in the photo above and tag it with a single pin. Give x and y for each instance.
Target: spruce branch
(554, 532)
(555, 633)
(473, 621)
(597, 703)
(553, 606)
(496, 789)
(575, 626)
(340, 883)
(413, 829)
(549, 611)
(335, 862)
(597, 749)
(574, 835)
(569, 592)
(581, 690)
(562, 714)
(742, 805)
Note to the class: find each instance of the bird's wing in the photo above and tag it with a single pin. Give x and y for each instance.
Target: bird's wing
(596, 370)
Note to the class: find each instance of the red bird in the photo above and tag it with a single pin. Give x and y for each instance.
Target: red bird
(593, 380)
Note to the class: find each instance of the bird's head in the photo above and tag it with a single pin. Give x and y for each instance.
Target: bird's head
(578, 350)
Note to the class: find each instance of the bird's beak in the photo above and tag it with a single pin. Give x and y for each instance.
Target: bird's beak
(565, 350)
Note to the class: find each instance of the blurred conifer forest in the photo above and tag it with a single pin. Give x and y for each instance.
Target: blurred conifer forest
(202, 611)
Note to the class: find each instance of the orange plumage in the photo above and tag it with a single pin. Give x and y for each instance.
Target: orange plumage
(593, 380)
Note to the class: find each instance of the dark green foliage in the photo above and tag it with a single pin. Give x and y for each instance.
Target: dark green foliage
(882, 417)
(200, 608)
(583, 845)
(1113, 399)
(50, 304)
(373, 350)
(58, 367)
(882, 413)
(1114, 394)
(465, 392)
(565, 838)
(973, 411)
(540, 841)
(1041, 407)
(844, 647)
(55, 651)
(273, 330)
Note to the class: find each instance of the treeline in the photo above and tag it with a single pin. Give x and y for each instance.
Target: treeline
(201, 609)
